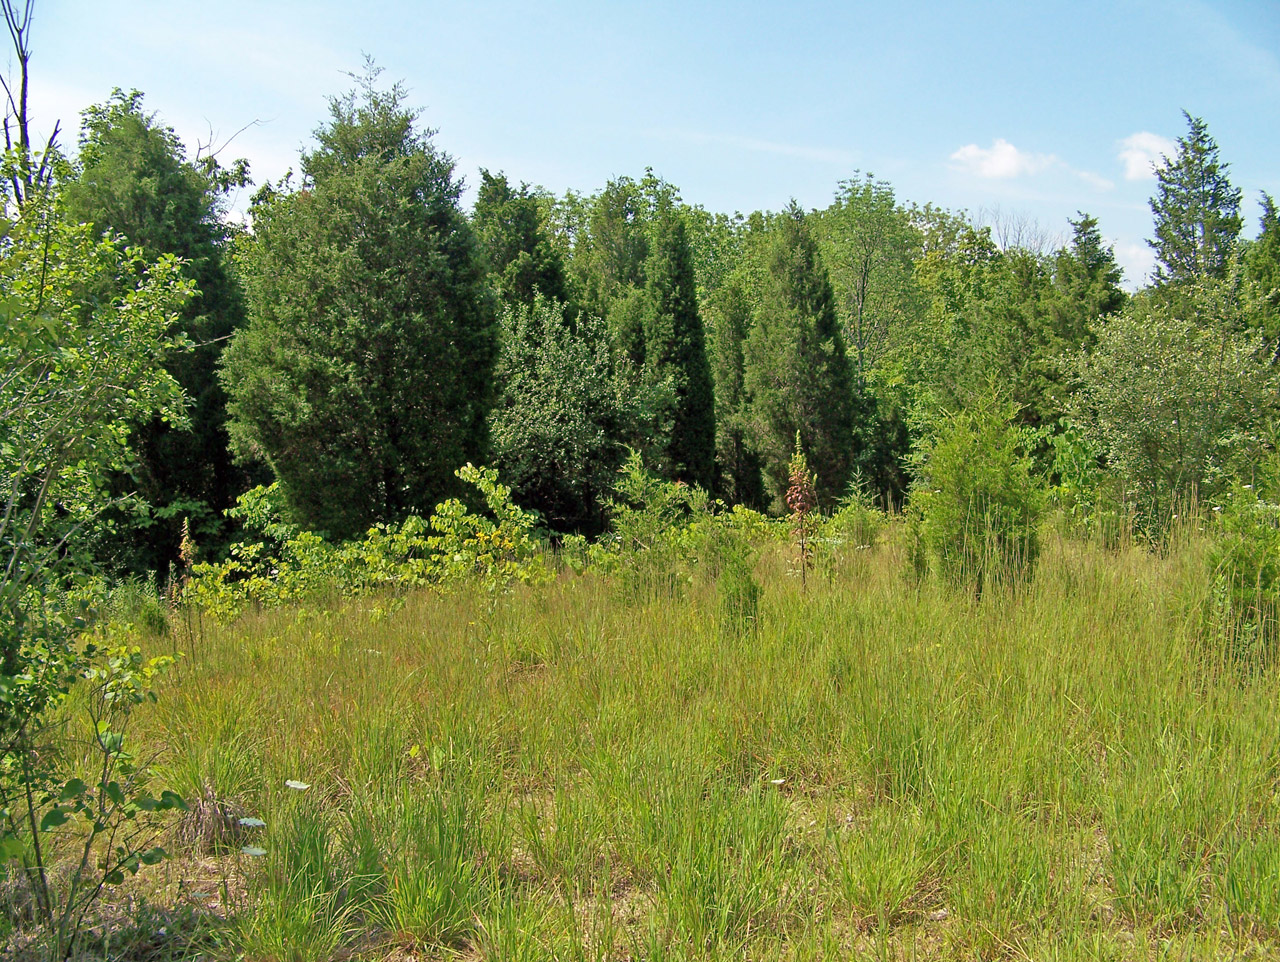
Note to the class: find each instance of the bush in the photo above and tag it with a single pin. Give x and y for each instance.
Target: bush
(667, 534)
(1092, 501)
(454, 545)
(975, 504)
(1244, 574)
(1178, 394)
(853, 526)
(650, 519)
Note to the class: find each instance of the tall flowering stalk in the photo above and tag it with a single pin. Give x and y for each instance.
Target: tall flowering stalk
(802, 499)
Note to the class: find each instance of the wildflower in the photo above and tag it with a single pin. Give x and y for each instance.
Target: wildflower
(802, 498)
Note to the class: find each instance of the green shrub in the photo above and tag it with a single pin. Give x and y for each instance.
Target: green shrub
(1244, 573)
(853, 526)
(666, 534)
(1177, 394)
(454, 545)
(1092, 502)
(649, 520)
(975, 503)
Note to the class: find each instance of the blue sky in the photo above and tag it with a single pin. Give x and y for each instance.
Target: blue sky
(1032, 109)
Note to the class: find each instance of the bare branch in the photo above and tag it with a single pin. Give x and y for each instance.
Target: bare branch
(211, 154)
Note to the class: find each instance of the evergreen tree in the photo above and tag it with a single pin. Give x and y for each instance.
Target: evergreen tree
(608, 261)
(1087, 280)
(1262, 260)
(364, 376)
(730, 312)
(132, 178)
(1197, 211)
(797, 372)
(522, 259)
(675, 347)
(564, 403)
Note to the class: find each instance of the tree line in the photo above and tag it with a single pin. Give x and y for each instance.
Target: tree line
(367, 335)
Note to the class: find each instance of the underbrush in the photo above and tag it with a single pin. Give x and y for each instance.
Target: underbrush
(874, 766)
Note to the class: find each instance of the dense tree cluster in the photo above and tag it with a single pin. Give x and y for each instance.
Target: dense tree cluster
(365, 335)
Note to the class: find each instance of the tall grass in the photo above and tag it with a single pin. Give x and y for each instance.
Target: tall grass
(882, 767)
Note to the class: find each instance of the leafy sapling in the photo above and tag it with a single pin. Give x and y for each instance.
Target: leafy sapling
(103, 823)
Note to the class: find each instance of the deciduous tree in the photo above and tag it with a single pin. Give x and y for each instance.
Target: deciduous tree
(89, 328)
(870, 246)
(1178, 400)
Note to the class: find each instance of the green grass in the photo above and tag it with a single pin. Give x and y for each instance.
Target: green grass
(877, 769)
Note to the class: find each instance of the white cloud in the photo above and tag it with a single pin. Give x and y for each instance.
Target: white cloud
(1001, 161)
(1136, 260)
(1141, 152)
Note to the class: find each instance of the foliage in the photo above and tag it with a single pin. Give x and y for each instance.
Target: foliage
(523, 261)
(454, 546)
(870, 246)
(611, 241)
(1183, 426)
(647, 516)
(675, 349)
(364, 376)
(976, 504)
(1086, 279)
(1080, 483)
(1244, 570)
(639, 258)
(855, 524)
(104, 824)
(1262, 262)
(729, 314)
(563, 402)
(797, 373)
(997, 314)
(1196, 210)
(132, 178)
(77, 368)
(667, 534)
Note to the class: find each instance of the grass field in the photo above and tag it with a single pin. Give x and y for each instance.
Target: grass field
(875, 769)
